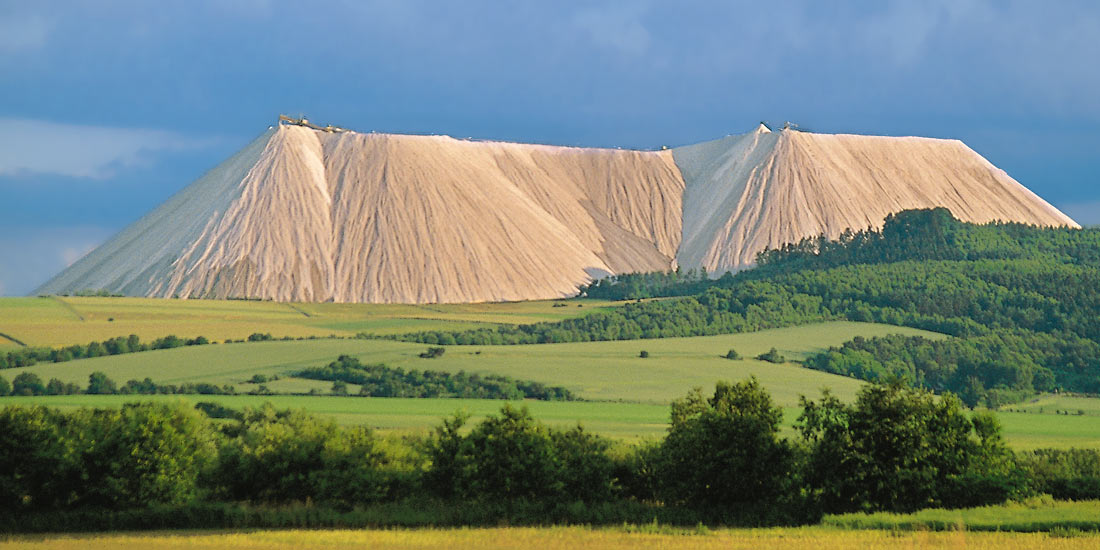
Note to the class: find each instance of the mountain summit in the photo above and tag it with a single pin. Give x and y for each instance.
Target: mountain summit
(305, 213)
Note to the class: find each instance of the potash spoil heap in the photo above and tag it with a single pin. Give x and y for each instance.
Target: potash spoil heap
(305, 214)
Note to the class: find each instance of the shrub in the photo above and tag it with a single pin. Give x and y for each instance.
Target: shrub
(433, 353)
(732, 354)
(772, 356)
(644, 354)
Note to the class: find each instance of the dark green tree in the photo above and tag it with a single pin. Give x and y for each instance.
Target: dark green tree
(509, 457)
(27, 383)
(339, 387)
(100, 384)
(897, 449)
(35, 460)
(55, 387)
(274, 456)
(140, 455)
(723, 455)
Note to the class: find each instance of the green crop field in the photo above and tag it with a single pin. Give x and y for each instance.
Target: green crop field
(630, 392)
(1056, 404)
(613, 419)
(57, 321)
(620, 420)
(555, 538)
(594, 370)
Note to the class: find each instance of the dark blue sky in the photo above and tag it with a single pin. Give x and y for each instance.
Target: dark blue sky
(110, 107)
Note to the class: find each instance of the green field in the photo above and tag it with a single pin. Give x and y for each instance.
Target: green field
(613, 419)
(630, 393)
(58, 321)
(1056, 404)
(559, 538)
(621, 420)
(594, 370)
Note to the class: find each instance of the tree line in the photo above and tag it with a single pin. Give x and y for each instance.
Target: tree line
(723, 461)
(28, 383)
(30, 356)
(27, 357)
(379, 380)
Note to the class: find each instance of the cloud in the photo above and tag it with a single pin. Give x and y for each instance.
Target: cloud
(22, 33)
(34, 254)
(36, 146)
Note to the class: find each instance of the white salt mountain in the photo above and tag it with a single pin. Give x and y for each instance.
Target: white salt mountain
(301, 214)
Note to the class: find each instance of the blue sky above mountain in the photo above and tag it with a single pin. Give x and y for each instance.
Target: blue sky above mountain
(109, 108)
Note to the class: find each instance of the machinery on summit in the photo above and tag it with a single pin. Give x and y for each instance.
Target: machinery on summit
(283, 119)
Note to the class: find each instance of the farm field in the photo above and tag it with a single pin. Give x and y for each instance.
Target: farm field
(1058, 404)
(58, 321)
(627, 394)
(612, 419)
(593, 370)
(619, 420)
(557, 538)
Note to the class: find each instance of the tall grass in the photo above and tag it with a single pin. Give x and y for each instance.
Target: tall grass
(406, 514)
(1041, 514)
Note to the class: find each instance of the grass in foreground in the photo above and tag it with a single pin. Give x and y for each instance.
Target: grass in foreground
(815, 538)
(1034, 515)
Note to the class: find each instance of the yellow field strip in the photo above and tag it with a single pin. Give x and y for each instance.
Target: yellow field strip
(554, 538)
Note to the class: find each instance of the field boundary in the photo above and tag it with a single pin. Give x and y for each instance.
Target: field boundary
(13, 339)
(298, 309)
(72, 309)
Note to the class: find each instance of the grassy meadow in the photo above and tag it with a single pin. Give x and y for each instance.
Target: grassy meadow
(552, 538)
(59, 321)
(609, 371)
(1069, 405)
(627, 394)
